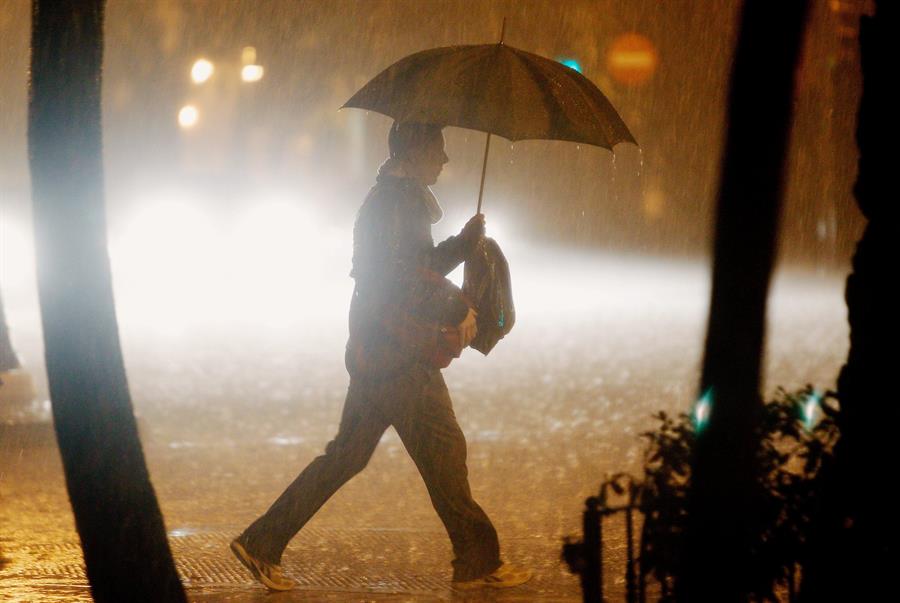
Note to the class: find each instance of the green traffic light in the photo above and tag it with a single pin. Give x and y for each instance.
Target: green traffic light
(570, 63)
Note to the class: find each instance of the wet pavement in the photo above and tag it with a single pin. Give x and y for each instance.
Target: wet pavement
(228, 418)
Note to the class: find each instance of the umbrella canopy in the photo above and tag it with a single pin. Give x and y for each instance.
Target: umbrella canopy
(496, 89)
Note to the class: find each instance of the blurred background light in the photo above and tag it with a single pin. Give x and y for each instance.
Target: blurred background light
(811, 409)
(570, 63)
(251, 73)
(703, 409)
(201, 71)
(188, 116)
(632, 59)
(248, 55)
(167, 266)
(16, 253)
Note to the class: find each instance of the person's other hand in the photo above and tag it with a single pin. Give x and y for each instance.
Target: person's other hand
(468, 328)
(474, 229)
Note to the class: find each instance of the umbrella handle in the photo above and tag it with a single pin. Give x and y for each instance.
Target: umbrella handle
(487, 146)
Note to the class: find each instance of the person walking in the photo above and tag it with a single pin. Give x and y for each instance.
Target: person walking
(407, 321)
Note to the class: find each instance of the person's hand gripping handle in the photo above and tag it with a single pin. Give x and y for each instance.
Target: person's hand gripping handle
(473, 231)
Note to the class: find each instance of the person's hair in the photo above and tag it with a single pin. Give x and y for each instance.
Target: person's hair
(410, 136)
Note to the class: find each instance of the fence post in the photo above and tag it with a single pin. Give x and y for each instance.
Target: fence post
(630, 582)
(592, 577)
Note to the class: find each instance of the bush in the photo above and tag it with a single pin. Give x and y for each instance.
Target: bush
(797, 435)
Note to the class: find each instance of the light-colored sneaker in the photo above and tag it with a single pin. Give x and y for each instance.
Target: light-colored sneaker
(270, 575)
(505, 576)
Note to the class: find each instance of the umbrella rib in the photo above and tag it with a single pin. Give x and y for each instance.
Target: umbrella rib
(589, 102)
(552, 106)
(615, 130)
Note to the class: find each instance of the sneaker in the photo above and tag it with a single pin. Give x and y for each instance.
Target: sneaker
(505, 576)
(269, 574)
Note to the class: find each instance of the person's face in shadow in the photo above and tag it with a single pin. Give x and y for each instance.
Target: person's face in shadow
(427, 161)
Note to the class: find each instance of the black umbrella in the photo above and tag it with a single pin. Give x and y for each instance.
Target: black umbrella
(496, 89)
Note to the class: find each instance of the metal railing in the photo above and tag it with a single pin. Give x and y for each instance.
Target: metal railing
(624, 495)
(620, 494)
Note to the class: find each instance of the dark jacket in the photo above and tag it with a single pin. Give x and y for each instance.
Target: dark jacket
(402, 299)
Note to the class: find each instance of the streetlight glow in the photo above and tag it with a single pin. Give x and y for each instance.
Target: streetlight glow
(252, 73)
(188, 116)
(202, 71)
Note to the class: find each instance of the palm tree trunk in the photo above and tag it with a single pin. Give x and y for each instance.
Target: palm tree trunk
(719, 561)
(856, 546)
(118, 519)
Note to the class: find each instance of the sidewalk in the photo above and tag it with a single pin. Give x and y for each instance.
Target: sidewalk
(349, 565)
(226, 425)
(330, 561)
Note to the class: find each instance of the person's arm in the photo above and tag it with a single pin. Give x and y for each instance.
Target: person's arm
(432, 296)
(436, 298)
(391, 262)
(453, 251)
(419, 291)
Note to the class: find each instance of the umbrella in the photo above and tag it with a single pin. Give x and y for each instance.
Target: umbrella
(496, 89)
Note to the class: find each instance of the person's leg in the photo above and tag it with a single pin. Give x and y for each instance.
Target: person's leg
(362, 425)
(425, 421)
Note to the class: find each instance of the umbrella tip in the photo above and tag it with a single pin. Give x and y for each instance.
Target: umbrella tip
(502, 30)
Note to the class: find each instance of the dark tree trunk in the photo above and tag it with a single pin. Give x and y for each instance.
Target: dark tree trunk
(116, 513)
(720, 539)
(856, 547)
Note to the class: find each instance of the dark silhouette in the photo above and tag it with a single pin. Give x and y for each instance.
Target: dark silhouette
(724, 488)
(407, 321)
(857, 546)
(116, 513)
(8, 358)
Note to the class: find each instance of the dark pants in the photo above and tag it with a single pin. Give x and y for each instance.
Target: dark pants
(418, 405)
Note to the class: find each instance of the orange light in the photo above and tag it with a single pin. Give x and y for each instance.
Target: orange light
(631, 59)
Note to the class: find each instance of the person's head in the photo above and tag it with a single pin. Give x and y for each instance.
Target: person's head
(420, 147)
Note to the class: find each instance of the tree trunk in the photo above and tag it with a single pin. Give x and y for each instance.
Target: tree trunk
(856, 546)
(720, 562)
(116, 512)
